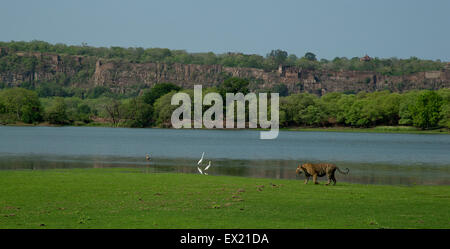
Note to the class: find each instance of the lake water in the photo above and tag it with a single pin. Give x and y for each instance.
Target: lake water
(373, 158)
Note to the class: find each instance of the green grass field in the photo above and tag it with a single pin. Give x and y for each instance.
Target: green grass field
(127, 198)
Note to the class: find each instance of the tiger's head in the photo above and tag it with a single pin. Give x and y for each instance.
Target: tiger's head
(299, 170)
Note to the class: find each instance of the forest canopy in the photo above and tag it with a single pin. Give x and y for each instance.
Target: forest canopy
(423, 109)
(271, 61)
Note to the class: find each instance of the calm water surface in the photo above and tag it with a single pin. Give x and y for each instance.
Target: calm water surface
(372, 157)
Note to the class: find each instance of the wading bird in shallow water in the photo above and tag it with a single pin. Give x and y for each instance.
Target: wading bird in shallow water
(199, 162)
(201, 159)
(207, 167)
(203, 172)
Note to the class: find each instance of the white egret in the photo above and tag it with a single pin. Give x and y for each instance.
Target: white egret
(209, 165)
(201, 159)
(204, 170)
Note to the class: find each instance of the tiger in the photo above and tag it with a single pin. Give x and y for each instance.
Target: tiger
(319, 169)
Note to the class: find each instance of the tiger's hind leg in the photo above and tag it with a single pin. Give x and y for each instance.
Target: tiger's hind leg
(330, 177)
(334, 179)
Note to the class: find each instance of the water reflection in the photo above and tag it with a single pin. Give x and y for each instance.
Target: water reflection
(365, 173)
(371, 158)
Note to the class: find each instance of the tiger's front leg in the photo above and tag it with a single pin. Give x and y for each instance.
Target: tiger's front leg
(307, 179)
(315, 179)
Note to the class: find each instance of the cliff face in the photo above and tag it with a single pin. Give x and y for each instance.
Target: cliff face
(121, 76)
(37, 68)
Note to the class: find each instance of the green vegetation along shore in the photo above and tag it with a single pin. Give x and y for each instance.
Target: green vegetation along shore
(127, 198)
(426, 109)
(377, 129)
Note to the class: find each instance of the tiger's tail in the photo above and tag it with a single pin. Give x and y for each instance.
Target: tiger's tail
(345, 173)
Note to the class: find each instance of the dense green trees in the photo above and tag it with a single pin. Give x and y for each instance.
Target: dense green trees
(390, 66)
(310, 56)
(163, 110)
(234, 85)
(47, 89)
(84, 112)
(158, 90)
(423, 109)
(276, 57)
(97, 91)
(57, 112)
(19, 105)
(427, 110)
(281, 89)
(138, 113)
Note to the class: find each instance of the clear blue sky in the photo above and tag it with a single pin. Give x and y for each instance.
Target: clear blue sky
(391, 28)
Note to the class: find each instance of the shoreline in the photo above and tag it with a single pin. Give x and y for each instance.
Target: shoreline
(377, 129)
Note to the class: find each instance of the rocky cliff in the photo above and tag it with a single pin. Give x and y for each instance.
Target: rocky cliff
(122, 76)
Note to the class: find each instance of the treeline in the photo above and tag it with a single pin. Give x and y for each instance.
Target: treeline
(271, 61)
(54, 89)
(21, 105)
(423, 109)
